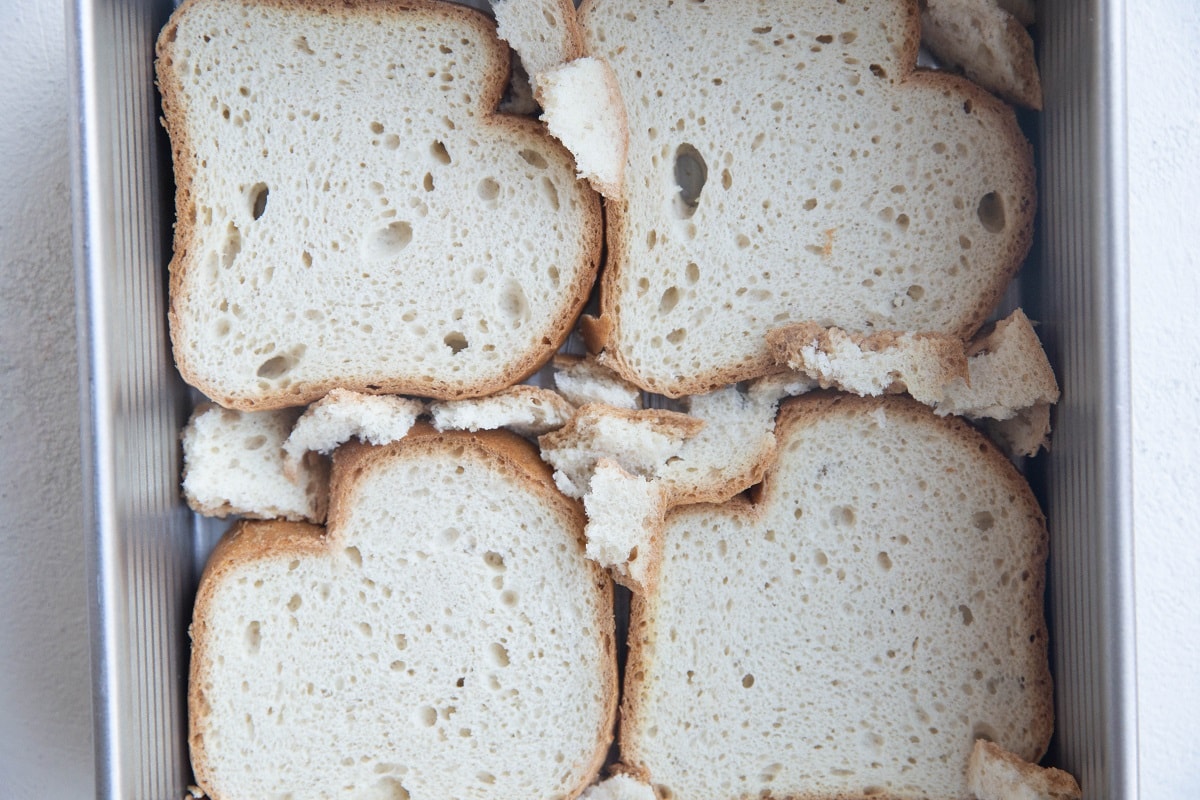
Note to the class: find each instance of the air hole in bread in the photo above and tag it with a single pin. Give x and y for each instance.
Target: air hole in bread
(676, 336)
(726, 179)
(485, 778)
(967, 616)
(276, 367)
(691, 173)
(902, 222)
(488, 189)
(253, 637)
(843, 515)
(550, 192)
(747, 680)
(915, 292)
(258, 200)
(885, 561)
(991, 213)
(498, 654)
(388, 241)
(878, 71)
(439, 152)
(494, 560)
(983, 520)
(232, 245)
(534, 159)
(513, 303)
(456, 341)
(427, 716)
(254, 442)
(668, 300)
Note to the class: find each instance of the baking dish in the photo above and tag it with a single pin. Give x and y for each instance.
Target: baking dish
(146, 549)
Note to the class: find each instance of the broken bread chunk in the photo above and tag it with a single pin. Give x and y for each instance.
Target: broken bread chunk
(993, 773)
(446, 612)
(582, 380)
(351, 210)
(887, 580)
(543, 33)
(234, 463)
(342, 415)
(787, 163)
(526, 410)
(986, 43)
(583, 109)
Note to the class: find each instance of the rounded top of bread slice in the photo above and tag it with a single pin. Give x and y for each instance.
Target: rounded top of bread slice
(446, 637)
(852, 630)
(788, 163)
(351, 210)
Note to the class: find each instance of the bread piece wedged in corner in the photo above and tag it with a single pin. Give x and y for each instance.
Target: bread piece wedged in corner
(444, 636)
(234, 462)
(877, 607)
(351, 210)
(993, 773)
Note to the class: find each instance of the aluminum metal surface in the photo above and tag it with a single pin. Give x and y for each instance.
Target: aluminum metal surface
(147, 549)
(1081, 286)
(142, 565)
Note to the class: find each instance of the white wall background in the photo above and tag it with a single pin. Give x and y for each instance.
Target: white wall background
(45, 725)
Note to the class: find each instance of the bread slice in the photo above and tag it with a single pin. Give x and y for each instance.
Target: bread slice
(234, 462)
(624, 523)
(786, 163)
(444, 637)
(527, 410)
(993, 773)
(852, 631)
(987, 43)
(351, 211)
(342, 415)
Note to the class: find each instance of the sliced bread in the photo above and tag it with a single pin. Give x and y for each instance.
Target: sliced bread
(342, 415)
(444, 637)
(583, 109)
(852, 631)
(787, 163)
(351, 211)
(528, 410)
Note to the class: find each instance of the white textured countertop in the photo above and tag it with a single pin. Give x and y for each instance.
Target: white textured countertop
(45, 684)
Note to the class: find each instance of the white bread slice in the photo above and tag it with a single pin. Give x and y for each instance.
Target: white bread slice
(619, 787)
(234, 463)
(993, 773)
(852, 631)
(444, 637)
(351, 211)
(582, 380)
(526, 410)
(342, 415)
(786, 163)
(921, 364)
(583, 109)
(544, 34)
(987, 43)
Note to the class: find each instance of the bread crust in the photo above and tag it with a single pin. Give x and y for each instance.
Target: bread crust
(250, 542)
(363, 378)
(608, 333)
(794, 415)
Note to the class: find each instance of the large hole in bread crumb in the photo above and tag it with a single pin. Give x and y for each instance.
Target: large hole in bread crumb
(439, 152)
(691, 173)
(388, 241)
(991, 213)
(276, 367)
(258, 200)
(456, 341)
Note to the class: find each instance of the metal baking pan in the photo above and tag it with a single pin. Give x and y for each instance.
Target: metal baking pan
(146, 549)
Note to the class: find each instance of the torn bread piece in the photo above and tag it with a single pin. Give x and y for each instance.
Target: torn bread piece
(641, 442)
(543, 33)
(619, 787)
(993, 773)
(526, 410)
(234, 463)
(342, 415)
(625, 517)
(1003, 374)
(986, 43)
(583, 380)
(889, 362)
(583, 109)
(1007, 371)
